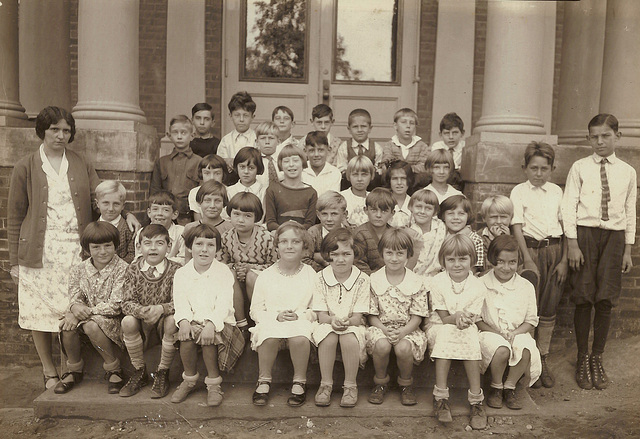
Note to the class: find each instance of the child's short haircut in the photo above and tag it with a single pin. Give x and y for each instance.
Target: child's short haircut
(380, 198)
(153, 230)
(316, 138)
(212, 187)
(300, 231)
(454, 202)
(400, 165)
(331, 200)
(242, 101)
(439, 157)
(251, 155)
(202, 231)
(283, 109)
(457, 245)
(267, 128)
(321, 110)
(99, 232)
(359, 112)
(450, 121)
(111, 187)
(180, 118)
(500, 203)
(290, 151)
(246, 202)
(396, 239)
(503, 243)
(202, 106)
(340, 234)
(360, 163)
(427, 197)
(539, 149)
(601, 119)
(164, 198)
(405, 112)
(212, 161)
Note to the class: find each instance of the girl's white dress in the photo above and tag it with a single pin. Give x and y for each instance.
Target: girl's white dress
(506, 307)
(275, 292)
(428, 245)
(342, 300)
(447, 341)
(394, 305)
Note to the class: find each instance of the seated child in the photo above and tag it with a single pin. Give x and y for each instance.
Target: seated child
(203, 301)
(281, 309)
(359, 173)
(439, 164)
(147, 305)
(341, 298)
(212, 199)
(456, 298)
(211, 167)
(248, 165)
(457, 215)
(247, 249)
(242, 110)
(283, 118)
(451, 132)
(509, 314)
(332, 212)
(291, 200)
(267, 144)
(178, 171)
(379, 208)
(399, 302)
(110, 198)
(405, 145)
(95, 288)
(204, 143)
(497, 212)
(322, 120)
(320, 175)
(163, 210)
(399, 179)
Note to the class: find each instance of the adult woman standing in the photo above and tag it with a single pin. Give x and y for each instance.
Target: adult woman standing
(49, 206)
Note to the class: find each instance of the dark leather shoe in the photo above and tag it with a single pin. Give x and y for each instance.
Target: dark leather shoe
(160, 386)
(546, 378)
(138, 380)
(64, 387)
(296, 400)
(260, 399)
(114, 387)
(442, 410)
(598, 375)
(494, 399)
(583, 372)
(511, 400)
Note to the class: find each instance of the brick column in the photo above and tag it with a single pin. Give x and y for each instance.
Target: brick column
(9, 92)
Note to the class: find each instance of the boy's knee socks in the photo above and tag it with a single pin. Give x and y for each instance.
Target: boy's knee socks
(601, 323)
(545, 332)
(167, 354)
(582, 324)
(135, 348)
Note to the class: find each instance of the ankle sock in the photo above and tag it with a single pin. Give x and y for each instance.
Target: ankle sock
(213, 381)
(297, 389)
(497, 386)
(439, 393)
(474, 398)
(191, 380)
(264, 387)
(242, 323)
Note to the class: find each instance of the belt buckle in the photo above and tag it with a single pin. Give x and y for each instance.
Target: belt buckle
(544, 241)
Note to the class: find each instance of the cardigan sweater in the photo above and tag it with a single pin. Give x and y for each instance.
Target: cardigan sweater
(27, 207)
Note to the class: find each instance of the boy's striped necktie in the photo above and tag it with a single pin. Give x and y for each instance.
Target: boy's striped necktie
(606, 193)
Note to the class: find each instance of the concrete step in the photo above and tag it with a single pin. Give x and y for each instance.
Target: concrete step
(90, 400)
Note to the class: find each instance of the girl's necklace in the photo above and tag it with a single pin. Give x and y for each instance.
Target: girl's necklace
(286, 274)
(460, 285)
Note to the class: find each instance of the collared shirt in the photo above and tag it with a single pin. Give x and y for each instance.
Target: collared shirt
(327, 180)
(456, 151)
(256, 189)
(115, 222)
(537, 209)
(402, 214)
(415, 153)
(341, 156)
(178, 174)
(451, 191)
(234, 142)
(145, 267)
(581, 204)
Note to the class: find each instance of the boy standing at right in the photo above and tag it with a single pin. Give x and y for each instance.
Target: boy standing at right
(599, 214)
(242, 110)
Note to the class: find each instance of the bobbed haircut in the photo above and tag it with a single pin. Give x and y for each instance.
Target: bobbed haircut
(400, 165)
(439, 157)
(457, 245)
(500, 203)
(111, 187)
(500, 244)
(426, 196)
(321, 110)
(396, 239)
(337, 235)
(380, 198)
(331, 200)
(242, 101)
(539, 149)
(267, 127)
(360, 163)
(251, 155)
(284, 109)
(51, 116)
(358, 112)
(299, 230)
(202, 106)
(601, 119)
(153, 230)
(316, 138)
(405, 112)
(212, 187)
(99, 232)
(212, 161)
(246, 202)
(164, 198)
(202, 231)
(180, 118)
(290, 151)
(450, 121)
(454, 202)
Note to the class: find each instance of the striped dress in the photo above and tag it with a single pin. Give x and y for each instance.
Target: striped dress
(258, 252)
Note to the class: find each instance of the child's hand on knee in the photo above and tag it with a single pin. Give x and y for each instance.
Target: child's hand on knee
(81, 311)
(153, 313)
(337, 324)
(241, 272)
(208, 333)
(394, 336)
(69, 322)
(184, 333)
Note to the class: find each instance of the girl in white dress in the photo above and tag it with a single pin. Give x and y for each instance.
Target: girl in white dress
(340, 299)
(456, 299)
(281, 309)
(509, 314)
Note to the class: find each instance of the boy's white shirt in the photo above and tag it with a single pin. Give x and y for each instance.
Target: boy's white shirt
(534, 208)
(456, 151)
(451, 191)
(176, 253)
(161, 266)
(327, 180)
(193, 204)
(404, 149)
(355, 207)
(114, 222)
(234, 141)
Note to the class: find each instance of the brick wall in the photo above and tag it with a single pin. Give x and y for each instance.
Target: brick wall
(428, 33)
(213, 61)
(478, 64)
(557, 62)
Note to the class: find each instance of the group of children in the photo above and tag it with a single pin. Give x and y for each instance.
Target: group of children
(394, 269)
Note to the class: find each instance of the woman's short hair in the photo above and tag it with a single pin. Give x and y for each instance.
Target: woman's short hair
(300, 231)
(212, 187)
(111, 187)
(51, 116)
(500, 244)
(457, 245)
(99, 232)
(202, 231)
(454, 202)
(246, 202)
(290, 151)
(341, 234)
(396, 239)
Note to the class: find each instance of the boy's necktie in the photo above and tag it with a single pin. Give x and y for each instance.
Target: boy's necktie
(360, 150)
(273, 174)
(153, 272)
(606, 193)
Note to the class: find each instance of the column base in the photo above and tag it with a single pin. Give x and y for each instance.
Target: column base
(98, 110)
(510, 124)
(20, 122)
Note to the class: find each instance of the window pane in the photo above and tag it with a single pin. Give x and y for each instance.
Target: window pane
(275, 39)
(366, 40)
